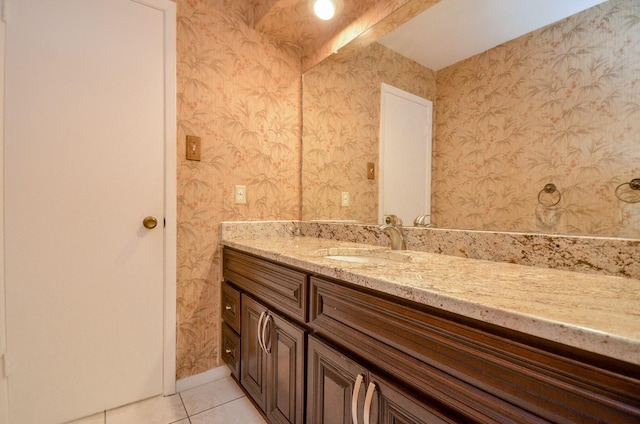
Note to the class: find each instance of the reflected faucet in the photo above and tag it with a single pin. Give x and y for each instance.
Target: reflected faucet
(393, 227)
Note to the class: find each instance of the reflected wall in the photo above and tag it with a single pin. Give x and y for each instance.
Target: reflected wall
(560, 105)
(341, 121)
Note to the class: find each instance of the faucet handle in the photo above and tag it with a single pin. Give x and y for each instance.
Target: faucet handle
(393, 220)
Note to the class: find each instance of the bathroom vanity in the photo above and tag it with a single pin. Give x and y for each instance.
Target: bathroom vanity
(323, 331)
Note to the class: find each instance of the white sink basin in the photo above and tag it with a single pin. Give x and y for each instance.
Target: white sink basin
(361, 259)
(364, 256)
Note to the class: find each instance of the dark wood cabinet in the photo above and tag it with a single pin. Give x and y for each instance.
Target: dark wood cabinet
(342, 391)
(390, 360)
(285, 344)
(231, 307)
(279, 287)
(394, 405)
(231, 349)
(230, 342)
(469, 369)
(253, 368)
(272, 364)
(331, 384)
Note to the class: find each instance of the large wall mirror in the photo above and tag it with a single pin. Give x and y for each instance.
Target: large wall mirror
(557, 105)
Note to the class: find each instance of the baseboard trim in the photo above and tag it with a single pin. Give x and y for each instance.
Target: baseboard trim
(202, 378)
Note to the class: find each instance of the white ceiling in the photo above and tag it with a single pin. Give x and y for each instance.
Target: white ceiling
(453, 30)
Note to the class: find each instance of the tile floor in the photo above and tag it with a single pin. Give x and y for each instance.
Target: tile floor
(218, 402)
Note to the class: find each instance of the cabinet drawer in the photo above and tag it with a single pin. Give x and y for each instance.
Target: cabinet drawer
(231, 350)
(231, 306)
(279, 287)
(491, 371)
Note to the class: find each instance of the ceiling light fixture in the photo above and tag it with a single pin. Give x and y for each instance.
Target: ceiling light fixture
(325, 9)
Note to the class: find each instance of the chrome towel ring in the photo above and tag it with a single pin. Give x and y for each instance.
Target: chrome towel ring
(546, 196)
(634, 185)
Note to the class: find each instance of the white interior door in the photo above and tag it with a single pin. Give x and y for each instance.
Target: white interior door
(405, 155)
(84, 163)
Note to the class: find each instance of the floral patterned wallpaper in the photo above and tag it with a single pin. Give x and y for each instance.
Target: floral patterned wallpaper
(560, 105)
(240, 91)
(341, 126)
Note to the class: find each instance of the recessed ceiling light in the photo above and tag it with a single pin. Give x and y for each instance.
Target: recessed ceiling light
(324, 9)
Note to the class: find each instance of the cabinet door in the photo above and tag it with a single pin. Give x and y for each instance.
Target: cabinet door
(254, 360)
(285, 344)
(331, 381)
(392, 405)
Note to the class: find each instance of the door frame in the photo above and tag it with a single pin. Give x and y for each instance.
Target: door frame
(168, 8)
(4, 393)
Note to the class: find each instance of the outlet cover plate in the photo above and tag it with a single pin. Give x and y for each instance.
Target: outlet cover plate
(241, 195)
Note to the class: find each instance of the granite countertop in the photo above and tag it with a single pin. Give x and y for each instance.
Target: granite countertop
(597, 313)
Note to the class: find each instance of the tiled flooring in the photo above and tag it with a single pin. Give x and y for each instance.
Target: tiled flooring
(218, 402)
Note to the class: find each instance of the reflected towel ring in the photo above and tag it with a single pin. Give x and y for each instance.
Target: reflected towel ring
(549, 188)
(634, 185)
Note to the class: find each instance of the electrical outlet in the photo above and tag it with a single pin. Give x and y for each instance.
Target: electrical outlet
(344, 199)
(241, 195)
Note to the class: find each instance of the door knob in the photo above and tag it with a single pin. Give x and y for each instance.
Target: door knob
(150, 222)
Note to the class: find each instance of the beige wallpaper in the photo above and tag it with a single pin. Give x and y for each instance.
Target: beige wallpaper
(240, 92)
(341, 125)
(560, 105)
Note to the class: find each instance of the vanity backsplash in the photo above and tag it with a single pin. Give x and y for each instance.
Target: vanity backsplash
(593, 255)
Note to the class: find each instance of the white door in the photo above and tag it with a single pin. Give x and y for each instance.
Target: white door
(84, 164)
(405, 155)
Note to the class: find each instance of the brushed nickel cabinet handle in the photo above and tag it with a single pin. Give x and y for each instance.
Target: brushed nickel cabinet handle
(354, 398)
(367, 402)
(264, 330)
(264, 349)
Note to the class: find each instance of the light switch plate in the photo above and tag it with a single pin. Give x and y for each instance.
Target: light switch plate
(371, 171)
(193, 147)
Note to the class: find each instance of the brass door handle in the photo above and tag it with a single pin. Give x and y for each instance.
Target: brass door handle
(150, 222)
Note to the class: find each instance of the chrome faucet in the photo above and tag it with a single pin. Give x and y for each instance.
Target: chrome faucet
(393, 227)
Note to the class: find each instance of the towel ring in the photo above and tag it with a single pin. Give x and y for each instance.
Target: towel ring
(549, 188)
(634, 185)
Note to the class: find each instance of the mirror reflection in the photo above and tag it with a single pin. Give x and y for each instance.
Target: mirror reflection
(559, 105)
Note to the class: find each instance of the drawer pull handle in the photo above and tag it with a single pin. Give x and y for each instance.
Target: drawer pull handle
(260, 342)
(228, 351)
(267, 350)
(367, 401)
(227, 307)
(354, 398)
